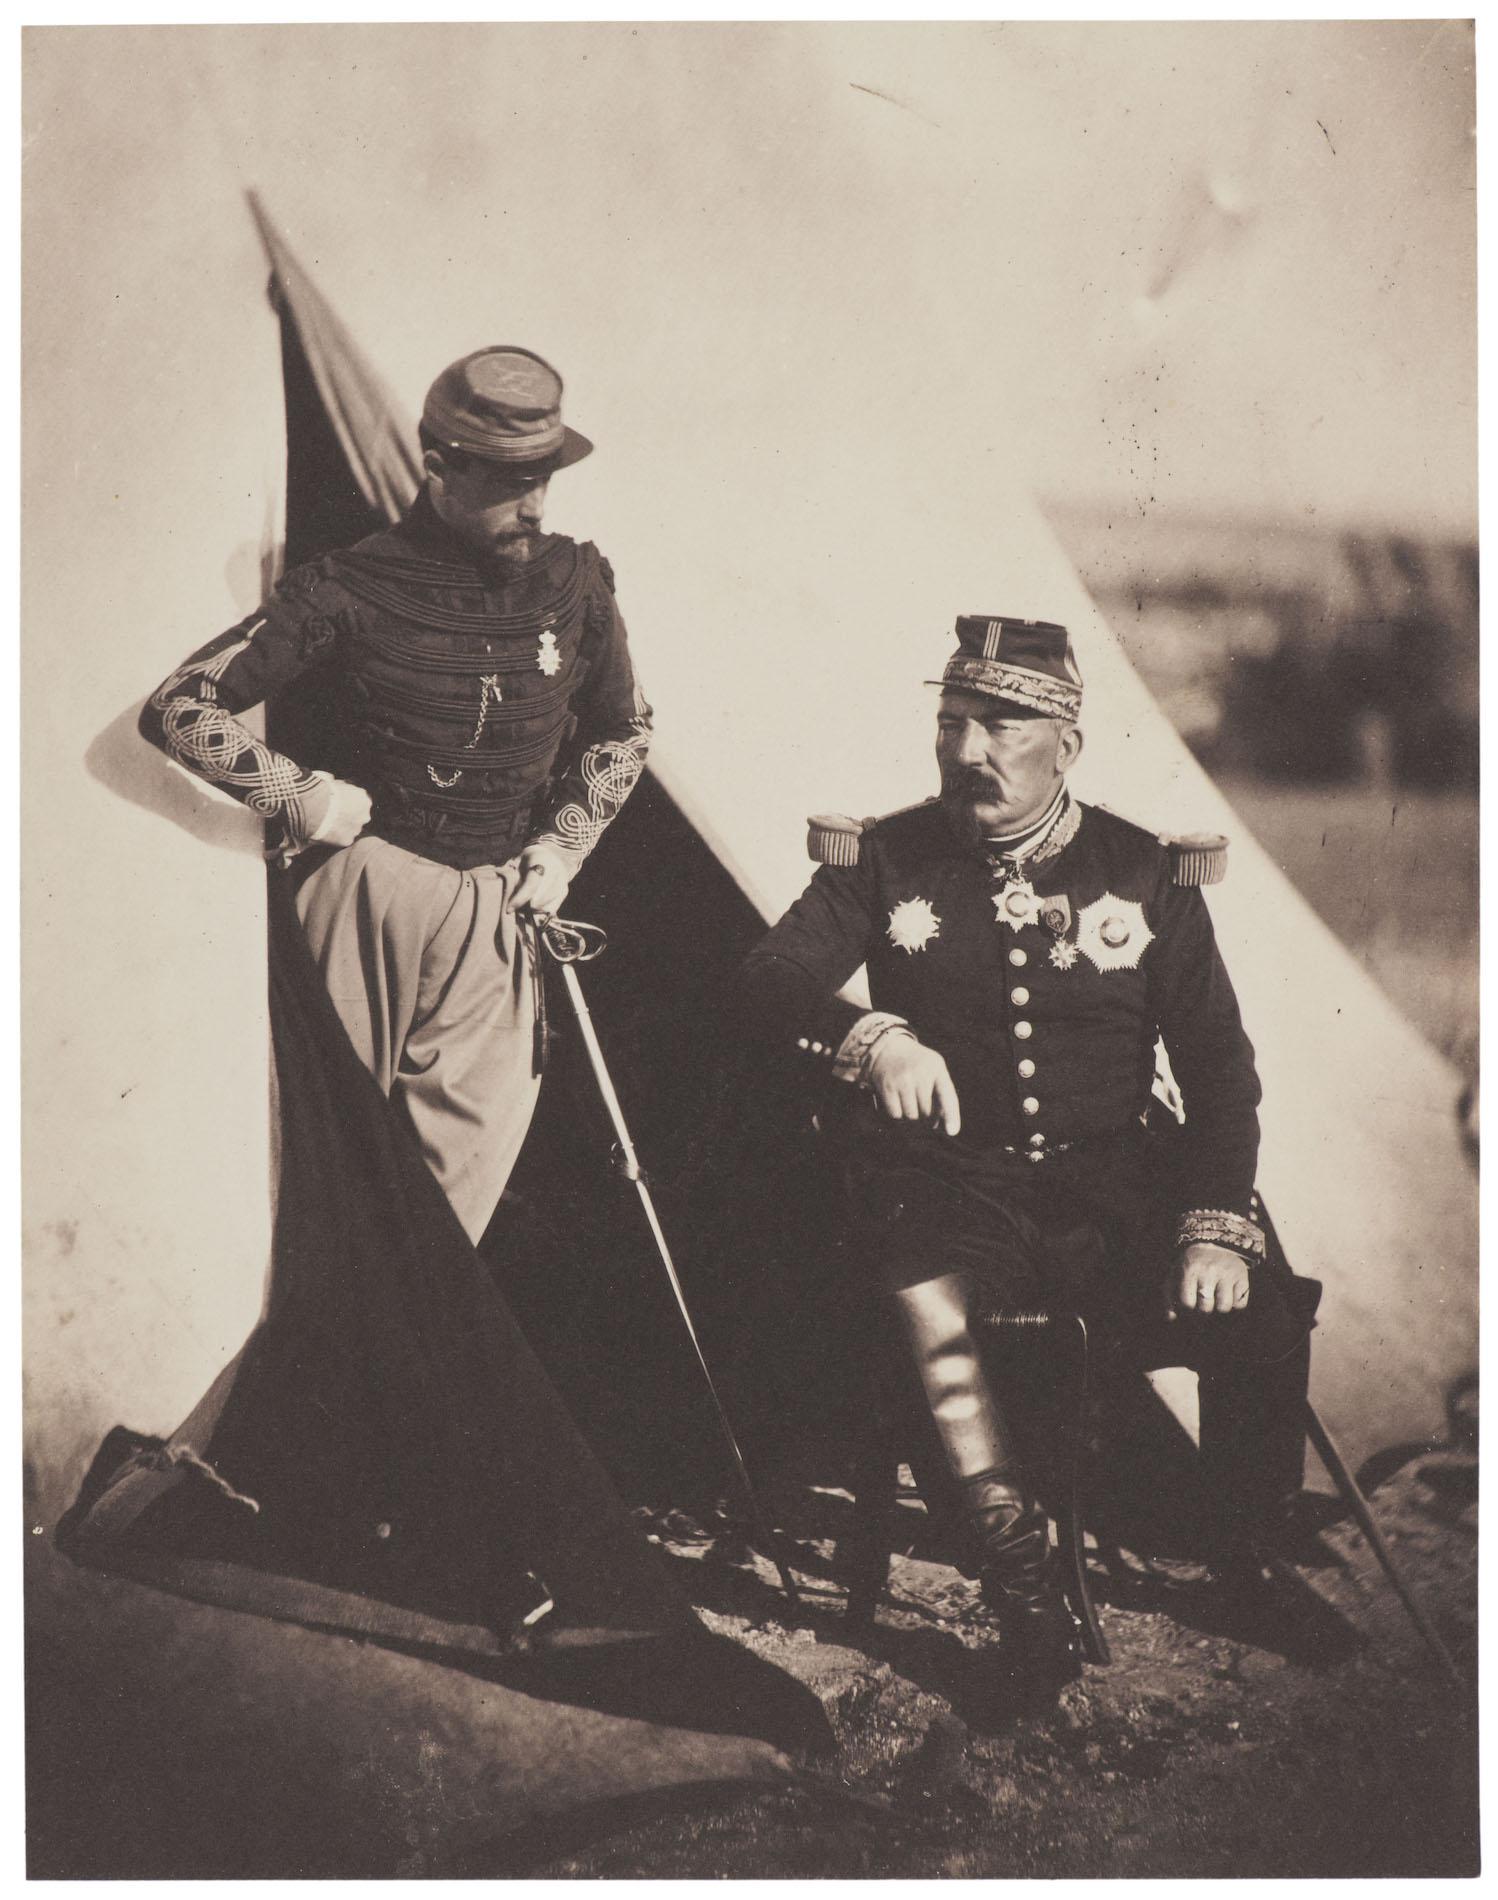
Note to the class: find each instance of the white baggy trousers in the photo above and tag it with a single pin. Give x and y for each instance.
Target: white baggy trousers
(433, 982)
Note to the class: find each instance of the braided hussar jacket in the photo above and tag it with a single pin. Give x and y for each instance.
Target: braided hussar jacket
(483, 706)
(1044, 991)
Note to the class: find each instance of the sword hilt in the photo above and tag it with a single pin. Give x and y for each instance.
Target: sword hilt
(571, 942)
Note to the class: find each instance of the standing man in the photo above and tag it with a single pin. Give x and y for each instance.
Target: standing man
(480, 726)
(1024, 953)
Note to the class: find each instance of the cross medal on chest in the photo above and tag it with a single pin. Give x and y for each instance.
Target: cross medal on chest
(1018, 904)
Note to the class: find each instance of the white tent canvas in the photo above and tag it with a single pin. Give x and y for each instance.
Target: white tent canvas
(810, 291)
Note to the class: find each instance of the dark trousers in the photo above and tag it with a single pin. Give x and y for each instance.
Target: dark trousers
(1091, 1231)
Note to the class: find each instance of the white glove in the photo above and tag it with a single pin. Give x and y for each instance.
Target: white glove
(348, 813)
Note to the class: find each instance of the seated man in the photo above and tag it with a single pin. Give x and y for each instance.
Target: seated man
(1024, 953)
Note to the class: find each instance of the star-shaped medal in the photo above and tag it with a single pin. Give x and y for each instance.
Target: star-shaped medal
(1112, 932)
(1017, 903)
(1063, 954)
(912, 924)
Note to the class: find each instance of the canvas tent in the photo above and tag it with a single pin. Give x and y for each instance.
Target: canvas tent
(801, 478)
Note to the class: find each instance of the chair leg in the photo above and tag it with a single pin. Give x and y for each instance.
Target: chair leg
(1073, 1552)
(863, 1553)
(1069, 1534)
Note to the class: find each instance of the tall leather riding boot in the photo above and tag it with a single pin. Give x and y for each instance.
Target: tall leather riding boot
(1018, 1571)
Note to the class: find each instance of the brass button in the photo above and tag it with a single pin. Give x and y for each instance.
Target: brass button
(1019, 996)
(1022, 1030)
(1018, 959)
(1026, 1068)
(1030, 1105)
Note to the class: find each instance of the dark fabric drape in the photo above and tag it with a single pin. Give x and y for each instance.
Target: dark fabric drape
(387, 1429)
(387, 1453)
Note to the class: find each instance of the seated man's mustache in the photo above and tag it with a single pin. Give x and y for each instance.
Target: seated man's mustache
(969, 780)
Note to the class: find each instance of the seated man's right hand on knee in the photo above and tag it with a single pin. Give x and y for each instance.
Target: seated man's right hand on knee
(911, 1083)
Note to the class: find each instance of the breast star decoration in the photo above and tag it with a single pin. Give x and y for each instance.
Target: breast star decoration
(1112, 933)
(547, 657)
(912, 925)
(1017, 904)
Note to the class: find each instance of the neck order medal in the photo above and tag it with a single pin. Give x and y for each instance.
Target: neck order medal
(1016, 903)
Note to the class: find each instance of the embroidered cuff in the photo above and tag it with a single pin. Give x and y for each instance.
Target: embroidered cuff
(852, 1059)
(1219, 1228)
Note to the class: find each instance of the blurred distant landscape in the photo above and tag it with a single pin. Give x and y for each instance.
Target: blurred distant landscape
(1328, 680)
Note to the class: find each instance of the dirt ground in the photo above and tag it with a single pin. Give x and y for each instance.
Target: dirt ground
(171, 1740)
(1191, 1755)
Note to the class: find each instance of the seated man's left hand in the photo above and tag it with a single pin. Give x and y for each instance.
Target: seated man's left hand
(544, 877)
(1207, 1279)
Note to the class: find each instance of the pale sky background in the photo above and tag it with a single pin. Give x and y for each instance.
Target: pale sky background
(1226, 266)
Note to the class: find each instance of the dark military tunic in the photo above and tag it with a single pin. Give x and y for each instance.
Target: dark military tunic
(482, 705)
(1044, 987)
(1048, 1029)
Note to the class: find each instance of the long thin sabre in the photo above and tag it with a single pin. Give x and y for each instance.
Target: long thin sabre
(567, 944)
(1347, 1484)
(1340, 1473)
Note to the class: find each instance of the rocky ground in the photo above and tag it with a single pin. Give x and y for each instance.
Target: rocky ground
(170, 1739)
(1193, 1754)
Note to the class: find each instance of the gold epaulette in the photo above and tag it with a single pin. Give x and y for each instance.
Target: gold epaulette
(832, 838)
(1197, 858)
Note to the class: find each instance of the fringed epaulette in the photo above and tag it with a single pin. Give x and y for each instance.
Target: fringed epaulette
(1197, 858)
(832, 838)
